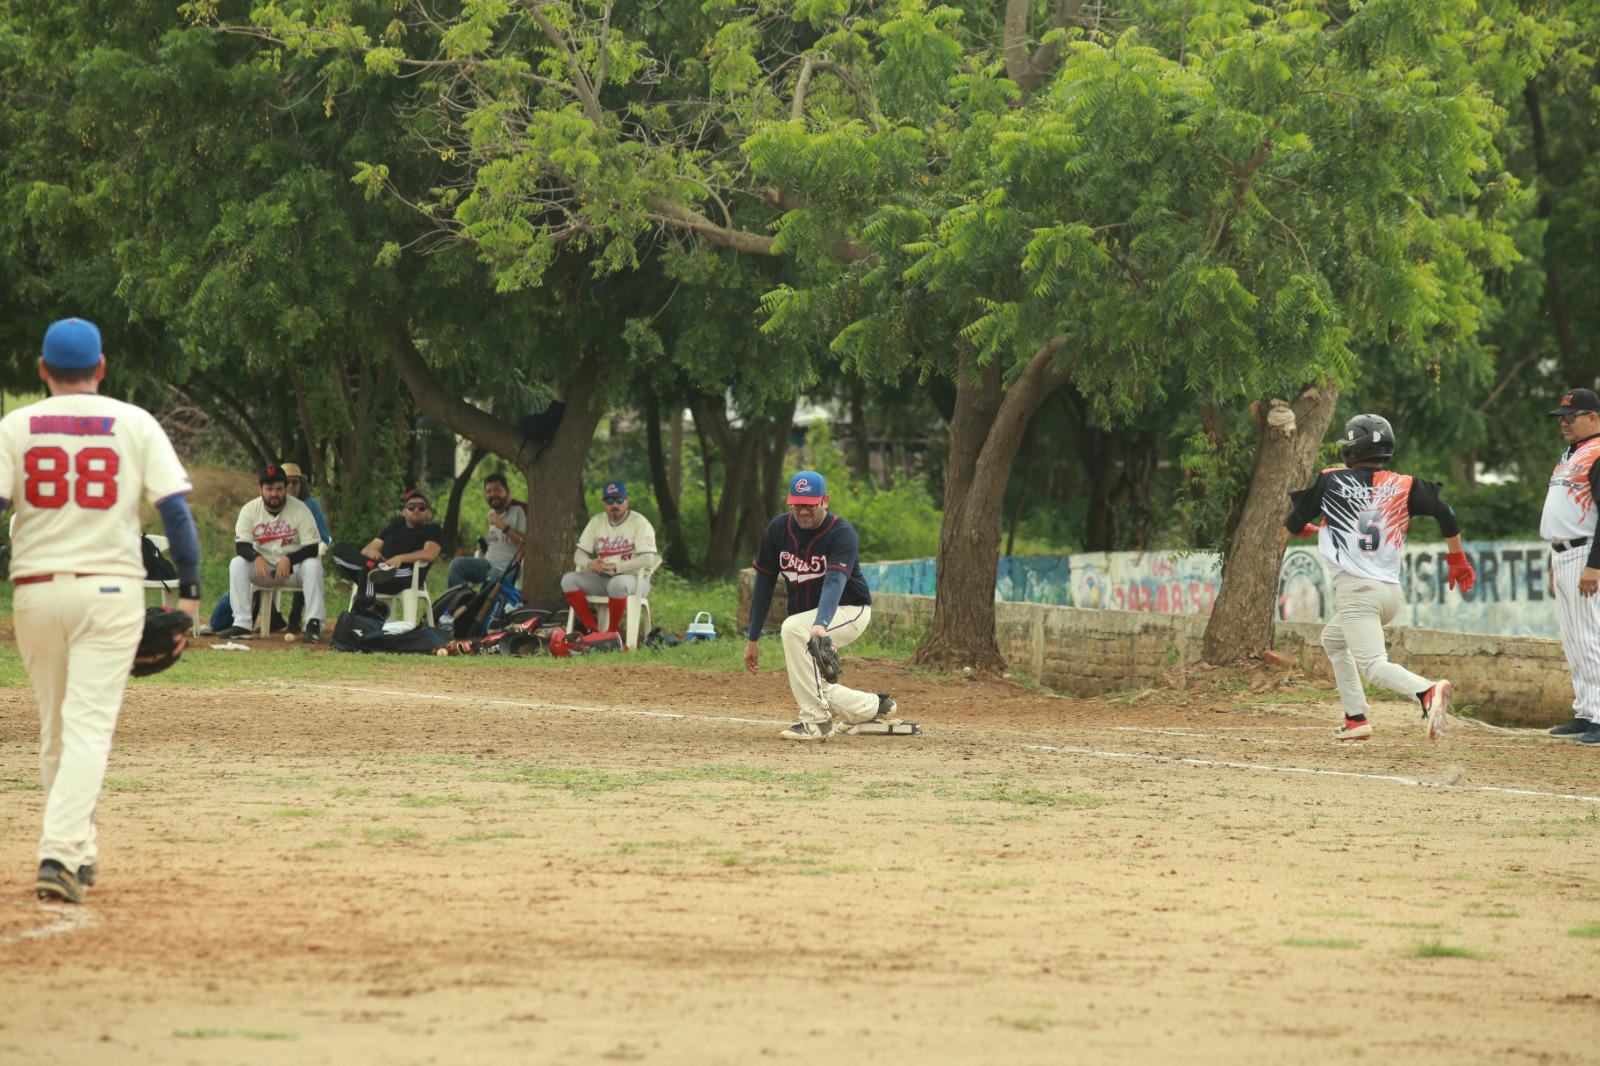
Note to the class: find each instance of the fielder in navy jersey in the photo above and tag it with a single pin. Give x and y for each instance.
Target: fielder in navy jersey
(817, 554)
(1368, 511)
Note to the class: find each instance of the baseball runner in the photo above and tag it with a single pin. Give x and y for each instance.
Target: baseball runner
(829, 607)
(76, 466)
(1368, 510)
(615, 554)
(1568, 523)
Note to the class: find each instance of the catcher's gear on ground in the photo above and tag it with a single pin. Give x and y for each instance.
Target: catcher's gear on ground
(826, 657)
(166, 634)
(1367, 437)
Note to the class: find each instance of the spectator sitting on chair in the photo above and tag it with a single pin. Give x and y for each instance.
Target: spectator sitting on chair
(614, 550)
(222, 615)
(276, 541)
(508, 522)
(415, 539)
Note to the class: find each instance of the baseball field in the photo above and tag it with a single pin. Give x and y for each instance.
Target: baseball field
(317, 858)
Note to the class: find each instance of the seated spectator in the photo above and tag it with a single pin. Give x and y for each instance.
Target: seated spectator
(222, 615)
(508, 522)
(384, 565)
(276, 542)
(614, 549)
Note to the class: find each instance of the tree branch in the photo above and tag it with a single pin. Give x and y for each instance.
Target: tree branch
(802, 86)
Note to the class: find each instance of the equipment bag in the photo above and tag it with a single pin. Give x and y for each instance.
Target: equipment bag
(364, 633)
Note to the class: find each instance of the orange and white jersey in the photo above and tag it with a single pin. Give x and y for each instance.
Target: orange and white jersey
(1569, 503)
(75, 469)
(1368, 514)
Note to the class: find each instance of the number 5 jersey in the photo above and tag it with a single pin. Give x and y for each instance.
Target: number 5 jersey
(1368, 513)
(75, 467)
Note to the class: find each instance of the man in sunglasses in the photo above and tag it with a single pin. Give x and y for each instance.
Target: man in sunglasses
(411, 541)
(816, 553)
(615, 554)
(1568, 523)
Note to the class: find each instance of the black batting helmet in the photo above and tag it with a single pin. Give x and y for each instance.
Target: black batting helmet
(1367, 437)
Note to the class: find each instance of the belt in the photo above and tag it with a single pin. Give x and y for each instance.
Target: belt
(1565, 545)
(34, 579)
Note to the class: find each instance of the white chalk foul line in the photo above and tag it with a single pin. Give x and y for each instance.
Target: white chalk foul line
(1095, 753)
(71, 918)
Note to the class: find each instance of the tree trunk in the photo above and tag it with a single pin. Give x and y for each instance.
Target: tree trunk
(860, 455)
(554, 472)
(675, 452)
(737, 449)
(986, 431)
(1572, 368)
(674, 551)
(1241, 623)
(452, 511)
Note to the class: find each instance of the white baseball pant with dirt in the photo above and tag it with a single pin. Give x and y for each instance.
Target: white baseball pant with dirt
(1580, 630)
(806, 683)
(77, 636)
(306, 576)
(1355, 645)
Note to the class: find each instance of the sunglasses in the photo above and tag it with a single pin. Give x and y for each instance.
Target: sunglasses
(615, 499)
(1567, 420)
(417, 507)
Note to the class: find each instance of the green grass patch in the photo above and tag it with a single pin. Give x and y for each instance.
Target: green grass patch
(1438, 949)
(1320, 942)
(130, 784)
(1028, 796)
(22, 786)
(1028, 1025)
(393, 835)
(484, 838)
(298, 812)
(1591, 931)
(244, 1034)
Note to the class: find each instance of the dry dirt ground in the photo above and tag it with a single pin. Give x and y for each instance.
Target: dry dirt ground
(437, 865)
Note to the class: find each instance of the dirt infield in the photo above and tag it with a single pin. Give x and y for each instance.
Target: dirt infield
(412, 868)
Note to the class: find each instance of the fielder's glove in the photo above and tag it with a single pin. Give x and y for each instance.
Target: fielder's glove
(826, 657)
(166, 634)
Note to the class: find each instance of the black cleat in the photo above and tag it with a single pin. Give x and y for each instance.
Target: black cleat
(314, 631)
(55, 882)
(1575, 728)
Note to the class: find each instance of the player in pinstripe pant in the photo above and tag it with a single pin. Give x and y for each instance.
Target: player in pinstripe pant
(1568, 523)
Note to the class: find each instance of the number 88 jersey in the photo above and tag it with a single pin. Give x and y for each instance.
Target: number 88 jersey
(1368, 514)
(75, 467)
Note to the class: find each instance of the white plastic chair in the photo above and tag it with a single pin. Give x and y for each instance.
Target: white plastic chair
(261, 620)
(168, 589)
(408, 598)
(638, 613)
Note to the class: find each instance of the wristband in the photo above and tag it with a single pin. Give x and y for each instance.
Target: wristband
(188, 590)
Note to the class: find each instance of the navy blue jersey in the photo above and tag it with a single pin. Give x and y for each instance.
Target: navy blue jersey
(804, 557)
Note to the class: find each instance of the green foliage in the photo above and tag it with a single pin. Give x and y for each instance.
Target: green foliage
(899, 522)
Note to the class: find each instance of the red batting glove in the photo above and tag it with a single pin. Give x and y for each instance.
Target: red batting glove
(1461, 572)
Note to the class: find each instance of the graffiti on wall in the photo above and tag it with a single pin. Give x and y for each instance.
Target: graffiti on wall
(1511, 597)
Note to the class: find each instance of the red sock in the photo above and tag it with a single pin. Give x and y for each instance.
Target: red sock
(581, 610)
(618, 613)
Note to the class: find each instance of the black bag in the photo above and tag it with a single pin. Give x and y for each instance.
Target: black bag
(364, 633)
(157, 567)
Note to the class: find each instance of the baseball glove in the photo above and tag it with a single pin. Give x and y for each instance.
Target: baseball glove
(166, 634)
(826, 657)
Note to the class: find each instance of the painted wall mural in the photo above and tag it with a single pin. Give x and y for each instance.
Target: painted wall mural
(1512, 596)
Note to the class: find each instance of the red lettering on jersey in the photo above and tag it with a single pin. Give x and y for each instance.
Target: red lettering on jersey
(45, 477)
(277, 531)
(72, 425)
(613, 548)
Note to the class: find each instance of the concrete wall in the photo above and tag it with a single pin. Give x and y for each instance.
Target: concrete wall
(1511, 680)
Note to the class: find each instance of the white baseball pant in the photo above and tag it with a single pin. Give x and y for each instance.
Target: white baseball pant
(613, 585)
(306, 576)
(1355, 645)
(1580, 630)
(77, 636)
(810, 691)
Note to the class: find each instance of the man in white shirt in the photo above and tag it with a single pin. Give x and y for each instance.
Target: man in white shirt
(1568, 523)
(615, 554)
(276, 545)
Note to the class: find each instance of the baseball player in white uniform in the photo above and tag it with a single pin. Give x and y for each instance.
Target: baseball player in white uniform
(1568, 523)
(1368, 510)
(76, 467)
(615, 554)
(276, 544)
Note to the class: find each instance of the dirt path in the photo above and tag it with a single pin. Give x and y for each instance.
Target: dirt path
(411, 869)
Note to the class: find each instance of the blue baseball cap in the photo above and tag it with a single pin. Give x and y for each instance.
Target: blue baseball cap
(807, 487)
(71, 344)
(614, 490)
